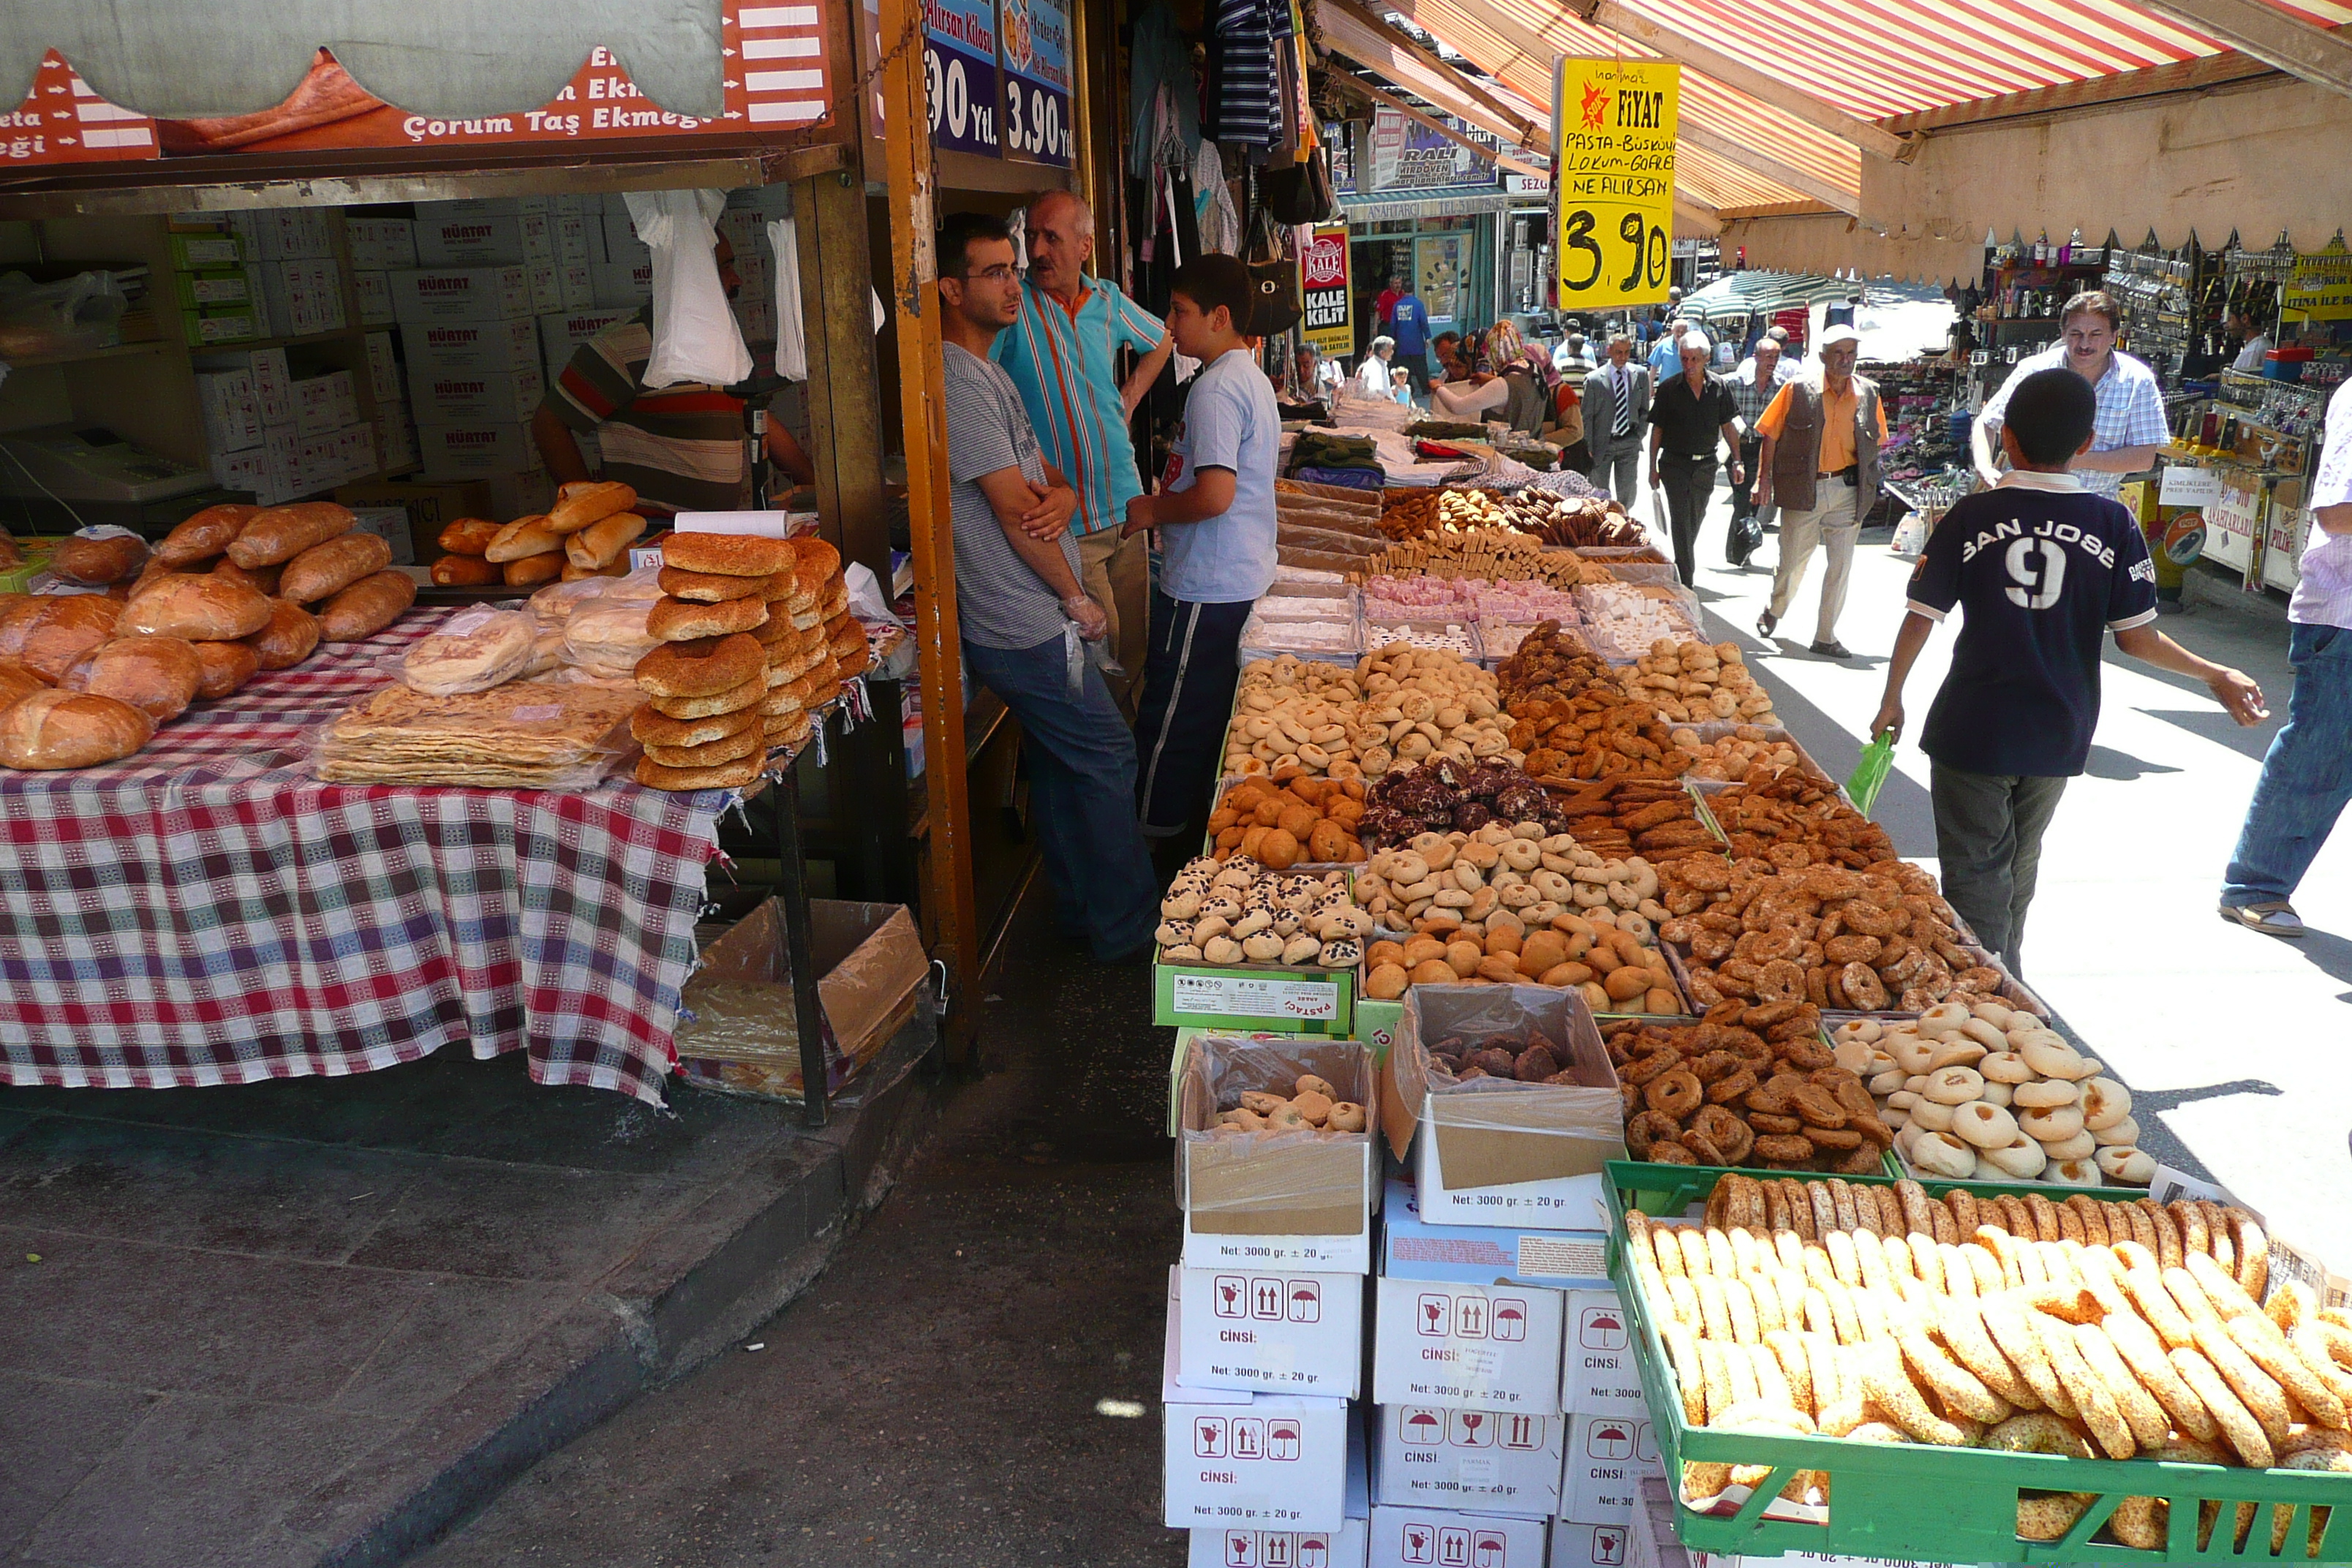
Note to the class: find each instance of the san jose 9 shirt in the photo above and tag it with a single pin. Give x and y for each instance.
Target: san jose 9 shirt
(2043, 571)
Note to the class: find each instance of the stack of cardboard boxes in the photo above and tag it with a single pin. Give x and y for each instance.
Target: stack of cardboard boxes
(278, 436)
(293, 280)
(217, 296)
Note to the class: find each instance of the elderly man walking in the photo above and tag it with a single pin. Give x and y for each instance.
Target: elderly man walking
(1617, 419)
(1691, 413)
(2131, 424)
(1754, 384)
(1062, 354)
(1820, 462)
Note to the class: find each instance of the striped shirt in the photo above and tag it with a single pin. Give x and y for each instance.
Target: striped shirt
(1064, 360)
(2322, 595)
(2130, 408)
(681, 448)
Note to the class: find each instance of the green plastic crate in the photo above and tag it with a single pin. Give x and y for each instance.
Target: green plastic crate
(1915, 1502)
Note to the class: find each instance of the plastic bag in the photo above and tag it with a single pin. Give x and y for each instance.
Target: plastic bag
(791, 338)
(696, 335)
(473, 652)
(66, 317)
(1869, 775)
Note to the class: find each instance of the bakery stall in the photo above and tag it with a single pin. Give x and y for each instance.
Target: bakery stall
(328, 741)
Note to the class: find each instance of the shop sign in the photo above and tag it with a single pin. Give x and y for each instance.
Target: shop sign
(2184, 485)
(2320, 287)
(959, 74)
(773, 69)
(1409, 156)
(2235, 511)
(1329, 322)
(1526, 185)
(1614, 165)
(1033, 42)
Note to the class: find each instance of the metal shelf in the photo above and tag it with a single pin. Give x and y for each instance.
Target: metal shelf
(120, 351)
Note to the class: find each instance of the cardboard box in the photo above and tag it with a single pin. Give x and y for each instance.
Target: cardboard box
(382, 368)
(1608, 1456)
(476, 451)
(230, 411)
(220, 325)
(284, 234)
(1575, 1545)
(463, 294)
(1280, 1330)
(324, 403)
(465, 397)
(429, 507)
(1347, 1547)
(373, 292)
(1253, 996)
(1598, 1372)
(870, 964)
(1232, 1460)
(1651, 1540)
(523, 492)
(466, 238)
(1301, 1202)
(389, 523)
(562, 332)
(1412, 1248)
(473, 348)
(1466, 1347)
(1438, 1537)
(1501, 1153)
(227, 286)
(395, 438)
(247, 470)
(576, 281)
(627, 283)
(332, 458)
(273, 387)
(381, 244)
(306, 297)
(201, 252)
(1424, 1456)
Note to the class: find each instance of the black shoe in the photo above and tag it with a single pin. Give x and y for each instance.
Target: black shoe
(1833, 649)
(1764, 624)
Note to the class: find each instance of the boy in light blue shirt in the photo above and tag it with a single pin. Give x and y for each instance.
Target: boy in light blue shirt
(1216, 521)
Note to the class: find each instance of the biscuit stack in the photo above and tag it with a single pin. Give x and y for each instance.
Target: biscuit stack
(708, 724)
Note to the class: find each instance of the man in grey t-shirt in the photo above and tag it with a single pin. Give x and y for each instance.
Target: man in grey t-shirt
(1025, 617)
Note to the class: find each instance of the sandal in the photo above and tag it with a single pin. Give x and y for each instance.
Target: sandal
(1764, 624)
(1833, 649)
(2276, 919)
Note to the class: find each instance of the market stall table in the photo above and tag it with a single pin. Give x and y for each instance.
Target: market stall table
(205, 912)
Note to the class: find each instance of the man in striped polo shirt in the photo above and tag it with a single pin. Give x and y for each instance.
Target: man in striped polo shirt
(680, 447)
(1062, 354)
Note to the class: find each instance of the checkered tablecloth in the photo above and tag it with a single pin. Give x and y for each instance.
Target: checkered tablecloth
(207, 913)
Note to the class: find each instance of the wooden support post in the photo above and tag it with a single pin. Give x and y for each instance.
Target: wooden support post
(922, 413)
(844, 401)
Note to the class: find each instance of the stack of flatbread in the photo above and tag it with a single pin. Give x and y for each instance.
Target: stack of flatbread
(525, 734)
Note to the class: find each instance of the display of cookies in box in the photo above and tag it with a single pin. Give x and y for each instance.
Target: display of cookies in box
(1301, 821)
(1239, 911)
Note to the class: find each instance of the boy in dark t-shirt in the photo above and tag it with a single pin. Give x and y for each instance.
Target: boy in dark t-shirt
(2045, 568)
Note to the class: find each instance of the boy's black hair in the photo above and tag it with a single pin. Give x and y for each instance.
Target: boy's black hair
(1210, 280)
(2051, 414)
(956, 234)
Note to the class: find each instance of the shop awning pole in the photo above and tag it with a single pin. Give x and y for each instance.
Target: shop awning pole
(922, 415)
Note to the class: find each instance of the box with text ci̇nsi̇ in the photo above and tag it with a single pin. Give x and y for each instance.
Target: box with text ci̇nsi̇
(1412, 1248)
(1231, 1459)
(1298, 1201)
(1495, 1463)
(1277, 1330)
(1598, 1372)
(1439, 1537)
(1493, 1151)
(1607, 1457)
(1346, 1547)
(1466, 1347)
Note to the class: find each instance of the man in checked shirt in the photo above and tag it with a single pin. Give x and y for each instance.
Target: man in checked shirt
(1062, 354)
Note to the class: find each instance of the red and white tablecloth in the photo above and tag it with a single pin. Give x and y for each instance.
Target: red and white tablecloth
(207, 913)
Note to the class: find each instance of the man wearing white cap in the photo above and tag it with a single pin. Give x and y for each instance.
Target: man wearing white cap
(1692, 413)
(1819, 463)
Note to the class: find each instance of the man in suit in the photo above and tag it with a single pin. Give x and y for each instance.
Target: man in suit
(1617, 419)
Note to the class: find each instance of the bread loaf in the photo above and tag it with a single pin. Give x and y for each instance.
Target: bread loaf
(288, 639)
(707, 587)
(262, 580)
(19, 614)
(69, 626)
(745, 743)
(200, 606)
(469, 535)
(18, 679)
(466, 572)
(616, 567)
(657, 728)
(523, 536)
(532, 570)
(726, 776)
(95, 562)
(601, 541)
(699, 667)
(279, 533)
(747, 695)
(776, 631)
(70, 729)
(156, 675)
(227, 667)
(367, 607)
(817, 559)
(780, 699)
(727, 554)
(205, 534)
(609, 635)
(676, 620)
(476, 650)
(582, 502)
(325, 570)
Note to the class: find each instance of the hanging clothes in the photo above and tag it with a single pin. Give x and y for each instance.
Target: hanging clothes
(1212, 204)
(1246, 102)
(1161, 65)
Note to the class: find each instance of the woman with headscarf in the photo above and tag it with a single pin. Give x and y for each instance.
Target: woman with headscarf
(1485, 389)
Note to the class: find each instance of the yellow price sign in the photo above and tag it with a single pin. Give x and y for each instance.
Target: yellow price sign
(1613, 177)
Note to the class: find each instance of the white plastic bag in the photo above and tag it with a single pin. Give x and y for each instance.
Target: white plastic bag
(791, 339)
(696, 336)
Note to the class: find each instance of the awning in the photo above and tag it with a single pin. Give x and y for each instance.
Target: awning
(1737, 295)
(1385, 206)
(1343, 33)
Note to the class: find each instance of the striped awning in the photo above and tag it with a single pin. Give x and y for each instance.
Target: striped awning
(1737, 295)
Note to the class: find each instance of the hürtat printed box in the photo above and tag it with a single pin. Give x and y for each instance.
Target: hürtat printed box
(623, 282)
(474, 451)
(1274, 1331)
(1575, 1545)
(1412, 1248)
(1598, 1375)
(1497, 1152)
(1466, 1347)
(460, 294)
(1425, 1456)
(1293, 1201)
(473, 348)
(445, 238)
(1261, 1460)
(1607, 1457)
(1346, 1547)
(465, 397)
(1438, 1537)
(383, 367)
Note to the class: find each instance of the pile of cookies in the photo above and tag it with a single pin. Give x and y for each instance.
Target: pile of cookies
(1239, 911)
(1745, 1086)
(1732, 756)
(1399, 706)
(1796, 819)
(1989, 1092)
(2086, 1329)
(1281, 825)
(1860, 940)
(1528, 1058)
(1691, 681)
(1311, 1106)
(1628, 812)
(1406, 803)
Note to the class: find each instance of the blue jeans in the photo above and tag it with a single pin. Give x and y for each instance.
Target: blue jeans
(1081, 794)
(2306, 778)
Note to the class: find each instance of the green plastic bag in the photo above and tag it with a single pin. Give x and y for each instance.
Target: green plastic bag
(1877, 761)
